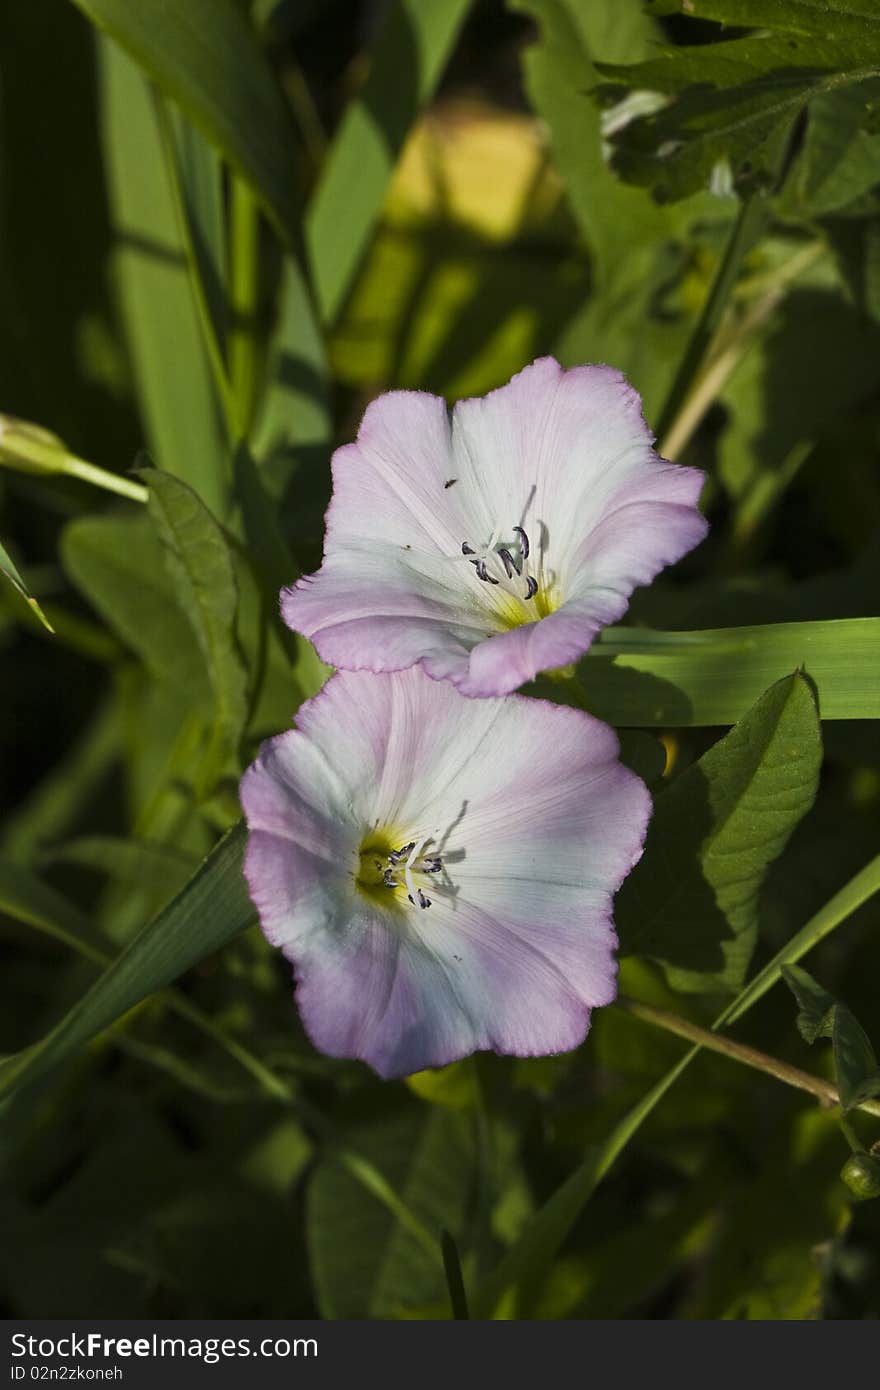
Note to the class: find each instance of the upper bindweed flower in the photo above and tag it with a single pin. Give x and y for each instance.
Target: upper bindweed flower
(440, 870)
(494, 545)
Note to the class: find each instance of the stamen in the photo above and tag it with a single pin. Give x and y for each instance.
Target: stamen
(510, 564)
(531, 588)
(523, 541)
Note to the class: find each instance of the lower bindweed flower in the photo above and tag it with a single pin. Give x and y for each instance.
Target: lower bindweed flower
(440, 870)
(495, 545)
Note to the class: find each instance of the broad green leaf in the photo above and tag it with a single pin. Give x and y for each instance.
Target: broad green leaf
(513, 1286)
(364, 1263)
(840, 159)
(9, 571)
(734, 100)
(822, 1016)
(206, 56)
(856, 244)
(674, 152)
(817, 1006)
(692, 901)
(856, 19)
(117, 562)
(212, 909)
(653, 679)
(200, 564)
(407, 63)
(175, 390)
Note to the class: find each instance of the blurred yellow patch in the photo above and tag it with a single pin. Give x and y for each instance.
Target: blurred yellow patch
(485, 169)
(455, 1086)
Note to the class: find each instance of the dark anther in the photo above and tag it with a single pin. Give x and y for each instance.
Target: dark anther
(466, 549)
(512, 565)
(424, 901)
(483, 573)
(523, 541)
(388, 879)
(532, 588)
(432, 866)
(397, 854)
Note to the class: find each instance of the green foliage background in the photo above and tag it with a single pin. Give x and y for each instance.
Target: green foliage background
(224, 227)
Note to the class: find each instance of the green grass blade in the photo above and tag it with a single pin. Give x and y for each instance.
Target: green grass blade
(179, 406)
(205, 55)
(10, 572)
(212, 909)
(633, 676)
(406, 66)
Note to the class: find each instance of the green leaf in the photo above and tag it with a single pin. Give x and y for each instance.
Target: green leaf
(365, 1263)
(816, 1016)
(406, 65)
(200, 564)
(10, 572)
(212, 909)
(855, 1061)
(559, 72)
(206, 56)
(692, 901)
(734, 100)
(840, 159)
(117, 562)
(648, 679)
(173, 380)
(514, 1284)
(856, 19)
(822, 1016)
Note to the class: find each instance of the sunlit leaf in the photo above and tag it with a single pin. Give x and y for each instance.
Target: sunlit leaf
(692, 901)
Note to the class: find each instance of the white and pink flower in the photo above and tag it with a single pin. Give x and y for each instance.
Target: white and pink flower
(493, 545)
(439, 870)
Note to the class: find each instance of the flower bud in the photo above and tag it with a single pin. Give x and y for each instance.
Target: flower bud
(29, 448)
(861, 1173)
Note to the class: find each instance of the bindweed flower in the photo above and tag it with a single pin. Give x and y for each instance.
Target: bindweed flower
(494, 545)
(440, 870)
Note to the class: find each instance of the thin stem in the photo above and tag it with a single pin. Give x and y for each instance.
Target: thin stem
(243, 290)
(101, 477)
(727, 355)
(740, 1052)
(747, 229)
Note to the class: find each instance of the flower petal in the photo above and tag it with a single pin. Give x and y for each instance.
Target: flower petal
(536, 823)
(564, 455)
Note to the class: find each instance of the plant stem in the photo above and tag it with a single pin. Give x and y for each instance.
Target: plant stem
(101, 477)
(747, 229)
(740, 1052)
(243, 290)
(726, 355)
